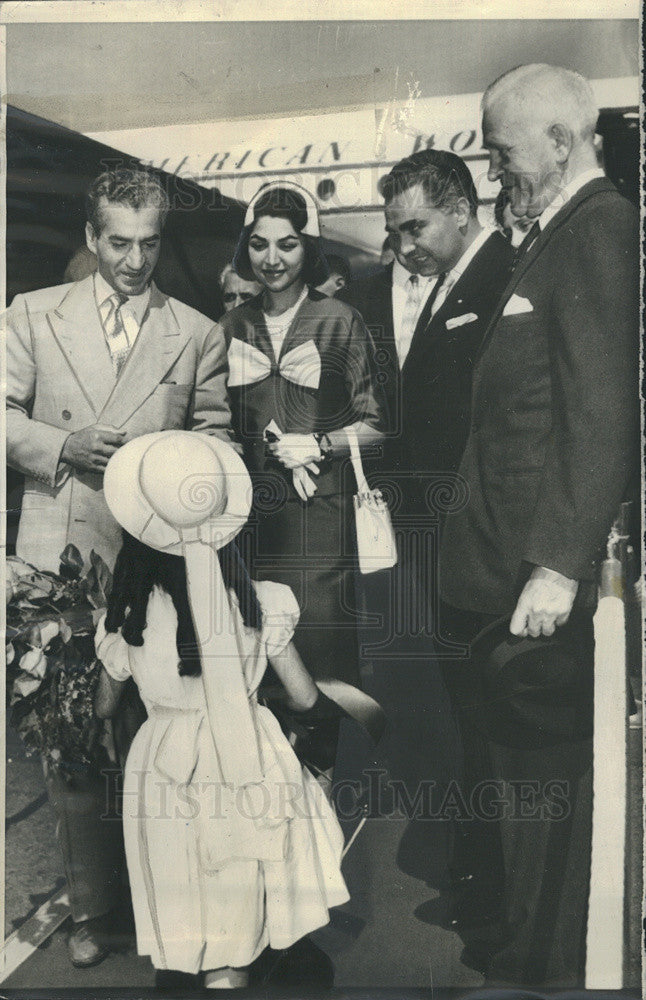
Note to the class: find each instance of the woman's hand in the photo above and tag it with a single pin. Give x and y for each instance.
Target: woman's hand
(293, 450)
(303, 482)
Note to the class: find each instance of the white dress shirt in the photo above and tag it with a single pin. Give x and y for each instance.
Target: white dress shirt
(399, 295)
(458, 269)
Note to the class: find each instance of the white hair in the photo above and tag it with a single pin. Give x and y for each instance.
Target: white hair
(550, 93)
(227, 269)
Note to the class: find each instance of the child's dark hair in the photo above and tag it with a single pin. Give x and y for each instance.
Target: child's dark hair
(139, 568)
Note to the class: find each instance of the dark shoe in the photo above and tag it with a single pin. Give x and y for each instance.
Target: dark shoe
(316, 730)
(459, 879)
(476, 906)
(86, 944)
(304, 966)
(171, 981)
(484, 916)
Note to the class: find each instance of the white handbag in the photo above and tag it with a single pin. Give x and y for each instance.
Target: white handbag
(376, 546)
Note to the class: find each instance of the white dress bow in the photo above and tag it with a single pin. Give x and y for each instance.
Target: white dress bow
(248, 365)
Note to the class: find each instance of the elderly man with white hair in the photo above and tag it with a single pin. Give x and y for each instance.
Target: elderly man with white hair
(551, 453)
(236, 290)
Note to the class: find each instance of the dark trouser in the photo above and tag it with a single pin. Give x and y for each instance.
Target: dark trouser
(477, 848)
(88, 826)
(543, 835)
(547, 863)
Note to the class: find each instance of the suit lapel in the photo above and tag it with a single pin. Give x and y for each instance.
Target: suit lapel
(429, 326)
(158, 345)
(542, 241)
(76, 325)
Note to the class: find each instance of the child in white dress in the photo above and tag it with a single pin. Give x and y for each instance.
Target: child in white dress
(218, 871)
(217, 875)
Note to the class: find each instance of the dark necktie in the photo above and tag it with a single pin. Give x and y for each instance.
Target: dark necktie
(428, 308)
(522, 249)
(426, 311)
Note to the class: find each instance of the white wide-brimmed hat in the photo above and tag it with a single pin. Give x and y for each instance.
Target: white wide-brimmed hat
(162, 486)
(188, 494)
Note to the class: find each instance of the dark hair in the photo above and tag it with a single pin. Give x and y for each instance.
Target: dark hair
(444, 177)
(139, 568)
(283, 203)
(339, 265)
(136, 188)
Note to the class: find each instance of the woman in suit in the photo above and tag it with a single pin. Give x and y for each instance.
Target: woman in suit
(300, 375)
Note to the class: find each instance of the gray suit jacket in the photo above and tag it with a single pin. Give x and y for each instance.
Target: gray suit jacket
(60, 379)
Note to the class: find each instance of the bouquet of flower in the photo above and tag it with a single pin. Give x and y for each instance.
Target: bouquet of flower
(52, 669)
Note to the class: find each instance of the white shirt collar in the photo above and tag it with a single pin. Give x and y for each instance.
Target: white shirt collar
(568, 191)
(458, 269)
(401, 276)
(136, 304)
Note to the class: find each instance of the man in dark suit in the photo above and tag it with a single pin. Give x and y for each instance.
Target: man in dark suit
(551, 453)
(428, 313)
(431, 218)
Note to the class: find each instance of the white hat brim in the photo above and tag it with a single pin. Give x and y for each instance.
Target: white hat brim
(131, 509)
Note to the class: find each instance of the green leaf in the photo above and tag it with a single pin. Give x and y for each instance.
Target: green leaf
(98, 582)
(71, 563)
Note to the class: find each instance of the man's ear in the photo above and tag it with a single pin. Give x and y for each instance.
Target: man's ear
(563, 140)
(90, 237)
(339, 282)
(463, 212)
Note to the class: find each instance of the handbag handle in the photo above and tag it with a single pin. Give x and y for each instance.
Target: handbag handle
(355, 456)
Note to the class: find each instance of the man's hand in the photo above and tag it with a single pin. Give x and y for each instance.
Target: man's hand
(293, 450)
(90, 449)
(544, 604)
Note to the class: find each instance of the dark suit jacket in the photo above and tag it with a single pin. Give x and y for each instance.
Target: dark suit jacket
(554, 431)
(437, 372)
(429, 402)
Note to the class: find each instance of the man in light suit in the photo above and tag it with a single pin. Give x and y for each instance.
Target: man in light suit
(551, 453)
(91, 365)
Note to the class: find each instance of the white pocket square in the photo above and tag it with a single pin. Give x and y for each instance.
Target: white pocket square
(460, 320)
(517, 305)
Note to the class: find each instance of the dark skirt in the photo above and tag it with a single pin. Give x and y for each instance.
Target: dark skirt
(311, 548)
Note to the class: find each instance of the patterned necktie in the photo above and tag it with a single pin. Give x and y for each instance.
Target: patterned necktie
(409, 315)
(117, 336)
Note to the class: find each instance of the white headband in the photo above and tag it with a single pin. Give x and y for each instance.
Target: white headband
(311, 227)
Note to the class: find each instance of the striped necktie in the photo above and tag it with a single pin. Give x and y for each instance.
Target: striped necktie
(409, 315)
(116, 333)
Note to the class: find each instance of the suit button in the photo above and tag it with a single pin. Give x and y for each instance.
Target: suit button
(66, 415)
